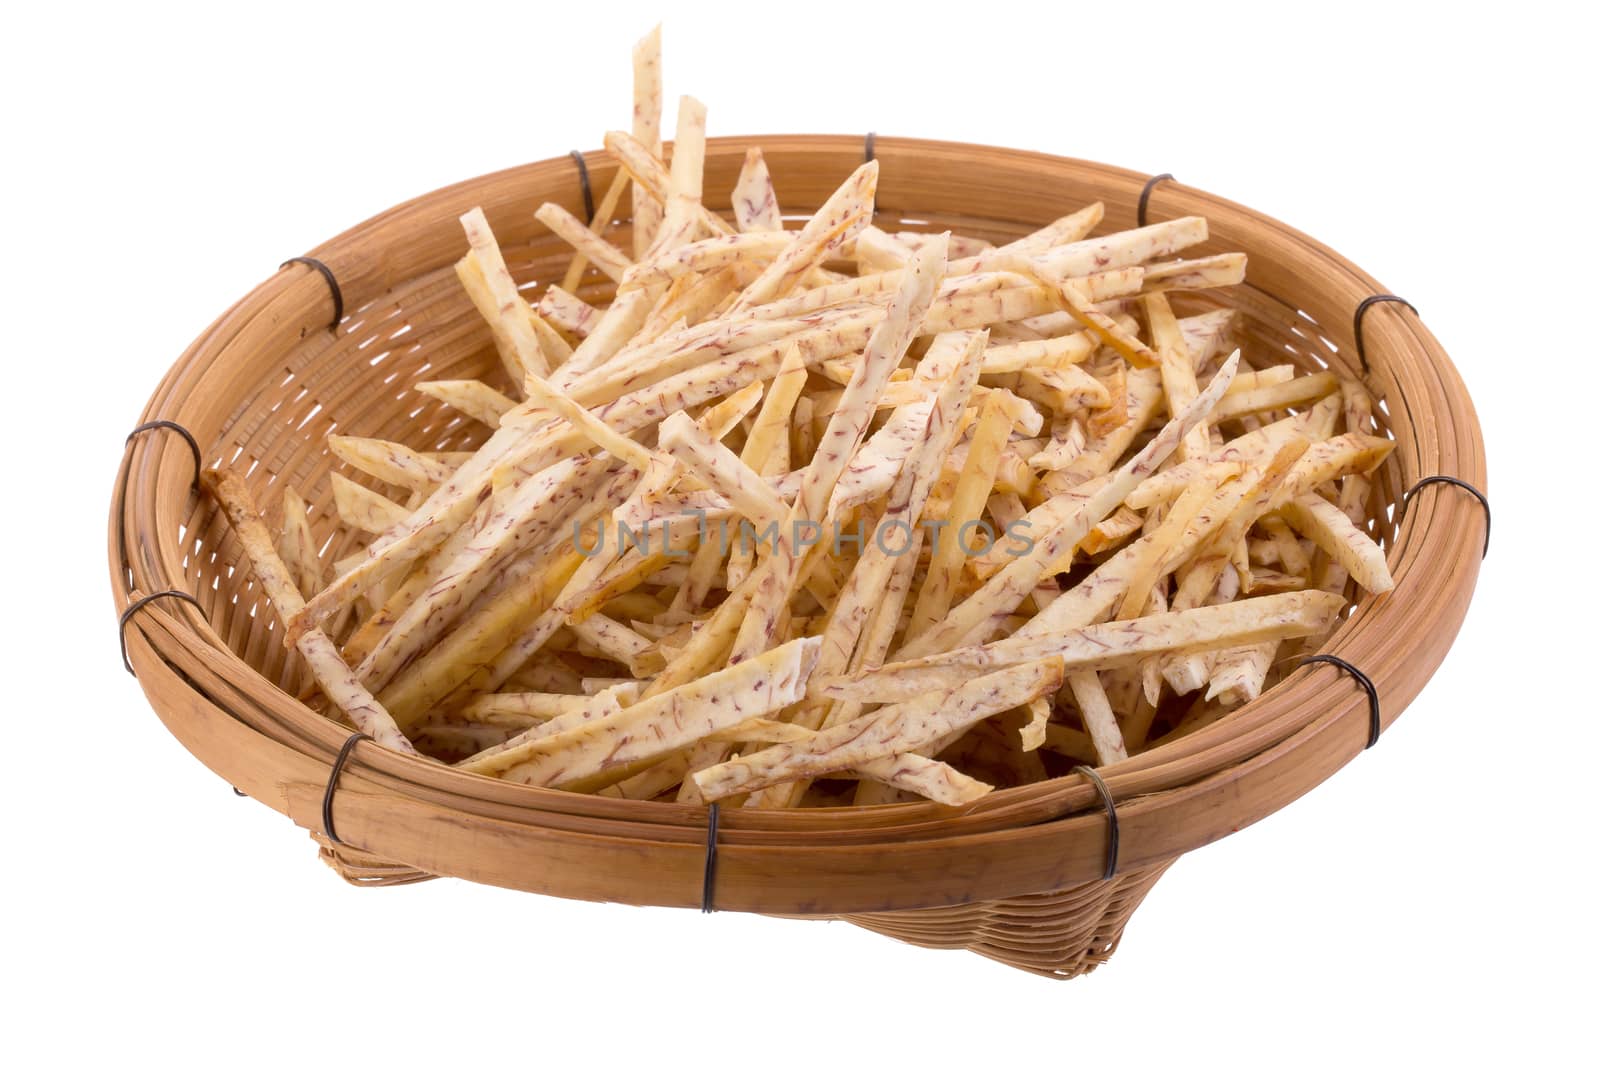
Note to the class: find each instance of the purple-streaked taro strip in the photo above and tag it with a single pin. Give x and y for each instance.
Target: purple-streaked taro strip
(846, 428)
(1101, 646)
(322, 657)
(976, 617)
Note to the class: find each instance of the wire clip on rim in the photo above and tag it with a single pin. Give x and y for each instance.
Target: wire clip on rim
(134, 608)
(1113, 830)
(1374, 711)
(333, 286)
(708, 885)
(333, 784)
(583, 184)
(1144, 196)
(1446, 479)
(188, 438)
(1361, 312)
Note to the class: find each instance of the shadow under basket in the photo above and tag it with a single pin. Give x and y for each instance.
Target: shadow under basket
(1044, 876)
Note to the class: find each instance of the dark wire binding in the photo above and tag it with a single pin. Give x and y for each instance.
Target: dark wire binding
(1374, 713)
(583, 183)
(333, 286)
(162, 423)
(1113, 831)
(122, 491)
(708, 887)
(1446, 479)
(869, 152)
(236, 792)
(133, 609)
(1144, 196)
(333, 783)
(1361, 312)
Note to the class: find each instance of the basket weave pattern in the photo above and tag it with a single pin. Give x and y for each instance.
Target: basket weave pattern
(1017, 876)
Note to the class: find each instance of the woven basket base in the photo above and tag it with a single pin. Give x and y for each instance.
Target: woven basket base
(365, 870)
(1061, 934)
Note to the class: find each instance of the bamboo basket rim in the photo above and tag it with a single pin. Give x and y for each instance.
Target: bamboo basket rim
(1313, 718)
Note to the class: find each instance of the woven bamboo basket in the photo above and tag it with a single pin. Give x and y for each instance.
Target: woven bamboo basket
(1021, 876)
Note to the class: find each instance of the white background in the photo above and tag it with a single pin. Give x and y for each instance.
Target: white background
(1432, 899)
